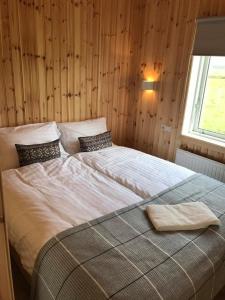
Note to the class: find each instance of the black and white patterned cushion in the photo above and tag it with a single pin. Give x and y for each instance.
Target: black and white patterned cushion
(95, 142)
(30, 154)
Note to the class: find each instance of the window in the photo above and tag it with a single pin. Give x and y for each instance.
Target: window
(205, 109)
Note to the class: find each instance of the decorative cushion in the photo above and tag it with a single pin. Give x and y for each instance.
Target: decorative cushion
(71, 131)
(96, 142)
(30, 154)
(25, 134)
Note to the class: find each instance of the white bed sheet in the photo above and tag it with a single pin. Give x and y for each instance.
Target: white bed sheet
(45, 199)
(144, 174)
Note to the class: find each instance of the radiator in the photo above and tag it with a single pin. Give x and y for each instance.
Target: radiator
(200, 164)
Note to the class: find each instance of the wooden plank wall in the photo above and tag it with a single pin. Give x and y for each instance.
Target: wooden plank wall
(67, 60)
(165, 51)
(72, 60)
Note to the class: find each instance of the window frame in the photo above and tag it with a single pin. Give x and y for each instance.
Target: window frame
(198, 101)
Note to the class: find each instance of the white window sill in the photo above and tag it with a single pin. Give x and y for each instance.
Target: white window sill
(200, 137)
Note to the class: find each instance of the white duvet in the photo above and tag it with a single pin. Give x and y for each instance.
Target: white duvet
(45, 199)
(144, 174)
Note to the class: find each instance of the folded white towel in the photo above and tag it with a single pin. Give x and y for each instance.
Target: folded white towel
(185, 216)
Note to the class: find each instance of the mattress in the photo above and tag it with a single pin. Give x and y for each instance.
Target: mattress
(144, 174)
(44, 199)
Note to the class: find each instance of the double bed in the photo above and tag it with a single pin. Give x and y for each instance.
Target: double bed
(79, 226)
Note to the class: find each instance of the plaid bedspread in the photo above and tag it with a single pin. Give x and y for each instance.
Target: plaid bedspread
(121, 256)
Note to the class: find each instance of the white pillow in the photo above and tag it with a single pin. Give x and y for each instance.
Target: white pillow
(26, 135)
(71, 131)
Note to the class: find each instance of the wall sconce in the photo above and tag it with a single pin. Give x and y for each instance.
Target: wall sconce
(149, 85)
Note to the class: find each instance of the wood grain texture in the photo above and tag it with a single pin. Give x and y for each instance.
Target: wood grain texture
(164, 55)
(67, 61)
(78, 59)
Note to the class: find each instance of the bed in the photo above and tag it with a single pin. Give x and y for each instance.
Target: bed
(79, 226)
